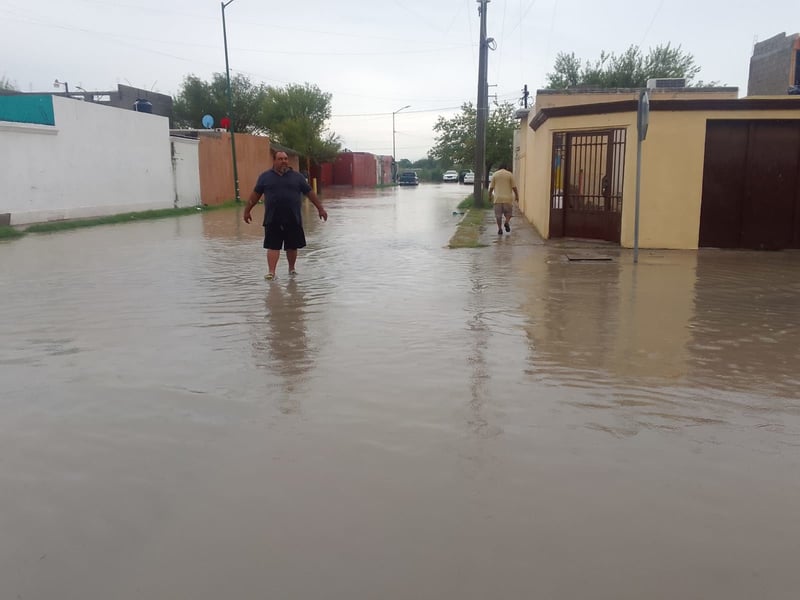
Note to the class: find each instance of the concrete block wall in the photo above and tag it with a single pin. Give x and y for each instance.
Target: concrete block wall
(771, 66)
(94, 161)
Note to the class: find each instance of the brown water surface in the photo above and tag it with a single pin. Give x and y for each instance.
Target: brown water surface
(399, 421)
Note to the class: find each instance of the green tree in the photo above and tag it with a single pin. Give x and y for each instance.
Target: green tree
(631, 69)
(500, 137)
(7, 84)
(296, 116)
(198, 98)
(455, 139)
(428, 169)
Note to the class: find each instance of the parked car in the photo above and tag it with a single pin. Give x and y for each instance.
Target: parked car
(408, 178)
(450, 176)
(469, 178)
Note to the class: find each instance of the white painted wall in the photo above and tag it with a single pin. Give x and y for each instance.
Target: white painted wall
(96, 161)
(186, 171)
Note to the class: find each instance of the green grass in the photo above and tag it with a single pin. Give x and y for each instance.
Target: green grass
(468, 231)
(468, 202)
(8, 233)
(145, 215)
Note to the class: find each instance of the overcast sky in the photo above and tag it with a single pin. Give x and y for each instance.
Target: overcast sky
(373, 56)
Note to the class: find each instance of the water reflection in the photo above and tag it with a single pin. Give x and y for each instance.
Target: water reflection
(281, 342)
(478, 369)
(745, 334)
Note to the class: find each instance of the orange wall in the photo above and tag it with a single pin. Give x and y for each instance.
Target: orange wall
(216, 165)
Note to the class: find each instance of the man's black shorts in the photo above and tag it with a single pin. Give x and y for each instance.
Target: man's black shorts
(287, 236)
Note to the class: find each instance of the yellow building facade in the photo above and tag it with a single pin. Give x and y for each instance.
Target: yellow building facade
(672, 168)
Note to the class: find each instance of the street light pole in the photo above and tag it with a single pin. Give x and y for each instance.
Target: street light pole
(58, 83)
(394, 167)
(230, 103)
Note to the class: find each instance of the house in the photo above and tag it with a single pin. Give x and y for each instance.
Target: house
(716, 170)
(775, 66)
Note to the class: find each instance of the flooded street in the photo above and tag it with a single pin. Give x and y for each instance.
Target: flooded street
(401, 420)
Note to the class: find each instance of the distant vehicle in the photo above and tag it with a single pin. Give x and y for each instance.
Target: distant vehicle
(469, 178)
(450, 176)
(408, 178)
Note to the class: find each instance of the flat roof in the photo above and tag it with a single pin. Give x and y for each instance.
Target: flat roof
(603, 108)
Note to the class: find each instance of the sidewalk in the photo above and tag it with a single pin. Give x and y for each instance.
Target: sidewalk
(523, 233)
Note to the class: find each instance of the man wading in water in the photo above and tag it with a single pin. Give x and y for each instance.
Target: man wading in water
(283, 190)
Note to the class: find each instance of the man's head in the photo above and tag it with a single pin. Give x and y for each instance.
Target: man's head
(281, 162)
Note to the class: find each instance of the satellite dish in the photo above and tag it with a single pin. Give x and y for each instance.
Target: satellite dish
(208, 121)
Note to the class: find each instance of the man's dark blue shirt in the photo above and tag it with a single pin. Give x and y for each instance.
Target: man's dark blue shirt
(283, 195)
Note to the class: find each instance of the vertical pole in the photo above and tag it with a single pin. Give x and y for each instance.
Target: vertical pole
(394, 168)
(230, 105)
(638, 188)
(394, 161)
(481, 114)
(642, 121)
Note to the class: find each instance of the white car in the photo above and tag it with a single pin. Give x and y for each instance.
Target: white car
(450, 176)
(469, 178)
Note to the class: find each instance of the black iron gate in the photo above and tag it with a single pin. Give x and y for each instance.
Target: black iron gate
(587, 178)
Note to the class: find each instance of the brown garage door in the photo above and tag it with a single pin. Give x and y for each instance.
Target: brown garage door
(751, 185)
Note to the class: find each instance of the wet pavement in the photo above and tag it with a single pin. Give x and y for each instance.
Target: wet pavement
(399, 421)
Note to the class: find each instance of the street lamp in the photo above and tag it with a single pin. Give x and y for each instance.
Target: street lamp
(58, 84)
(230, 102)
(393, 137)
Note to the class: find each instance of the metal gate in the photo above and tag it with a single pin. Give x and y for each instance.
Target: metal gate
(587, 177)
(751, 185)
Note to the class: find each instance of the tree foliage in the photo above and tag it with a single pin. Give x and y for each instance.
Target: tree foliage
(198, 98)
(296, 116)
(631, 69)
(293, 116)
(456, 137)
(6, 84)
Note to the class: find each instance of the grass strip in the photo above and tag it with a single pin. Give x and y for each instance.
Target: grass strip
(145, 215)
(9, 233)
(468, 231)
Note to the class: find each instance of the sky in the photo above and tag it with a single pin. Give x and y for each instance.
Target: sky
(374, 57)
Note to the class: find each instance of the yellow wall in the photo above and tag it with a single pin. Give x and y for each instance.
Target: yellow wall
(672, 172)
(672, 176)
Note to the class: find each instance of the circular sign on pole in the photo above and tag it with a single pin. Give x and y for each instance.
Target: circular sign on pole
(225, 123)
(208, 121)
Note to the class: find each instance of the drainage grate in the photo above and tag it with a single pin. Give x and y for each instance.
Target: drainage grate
(588, 258)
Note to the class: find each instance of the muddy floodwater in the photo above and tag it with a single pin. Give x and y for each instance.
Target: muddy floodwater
(400, 421)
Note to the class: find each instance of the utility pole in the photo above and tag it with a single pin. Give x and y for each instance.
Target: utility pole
(525, 95)
(482, 113)
(394, 163)
(230, 103)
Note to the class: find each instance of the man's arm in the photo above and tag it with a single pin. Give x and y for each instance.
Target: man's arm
(516, 194)
(312, 195)
(251, 202)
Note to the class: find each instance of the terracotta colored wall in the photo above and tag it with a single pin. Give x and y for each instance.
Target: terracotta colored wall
(364, 169)
(343, 169)
(356, 169)
(216, 165)
(323, 173)
(384, 169)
